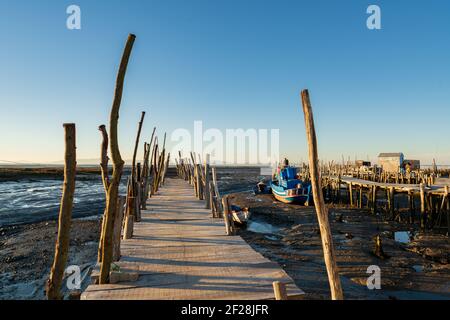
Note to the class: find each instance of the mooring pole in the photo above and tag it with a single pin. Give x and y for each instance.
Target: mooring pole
(321, 209)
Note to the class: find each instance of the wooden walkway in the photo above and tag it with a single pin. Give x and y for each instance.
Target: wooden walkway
(181, 253)
(438, 188)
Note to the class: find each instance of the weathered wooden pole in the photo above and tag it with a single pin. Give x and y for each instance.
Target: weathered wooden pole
(226, 216)
(207, 179)
(136, 143)
(105, 179)
(411, 206)
(118, 222)
(199, 181)
(217, 193)
(360, 201)
(104, 158)
(279, 289)
(145, 176)
(321, 209)
(134, 173)
(392, 202)
(211, 199)
(118, 163)
(166, 166)
(350, 194)
(422, 206)
(447, 198)
(130, 213)
(65, 216)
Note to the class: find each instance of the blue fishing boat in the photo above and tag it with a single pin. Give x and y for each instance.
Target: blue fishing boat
(287, 188)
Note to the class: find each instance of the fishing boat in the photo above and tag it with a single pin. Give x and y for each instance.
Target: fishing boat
(287, 188)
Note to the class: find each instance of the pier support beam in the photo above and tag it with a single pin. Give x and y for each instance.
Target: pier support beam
(350, 194)
(422, 206)
(374, 199)
(391, 192)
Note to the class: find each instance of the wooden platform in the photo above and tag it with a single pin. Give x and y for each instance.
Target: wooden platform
(181, 253)
(438, 188)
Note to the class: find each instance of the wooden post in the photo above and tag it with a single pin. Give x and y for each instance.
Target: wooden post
(422, 206)
(216, 192)
(411, 206)
(118, 222)
(360, 202)
(145, 176)
(226, 216)
(129, 218)
(136, 144)
(338, 189)
(279, 289)
(321, 209)
(134, 170)
(111, 201)
(199, 181)
(105, 179)
(104, 158)
(350, 193)
(154, 166)
(369, 196)
(207, 179)
(392, 202)
(374, 199)
(211, 199)
(65, 216)
(137, 204)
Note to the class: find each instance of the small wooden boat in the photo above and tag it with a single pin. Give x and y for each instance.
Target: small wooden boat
(288, 188)
(240, 216)
(262, 188)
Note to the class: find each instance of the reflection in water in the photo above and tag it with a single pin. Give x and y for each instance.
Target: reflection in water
(403, 236)
(262, 227)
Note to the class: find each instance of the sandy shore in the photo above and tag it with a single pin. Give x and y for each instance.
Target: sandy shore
(26, 255)
(418, 269)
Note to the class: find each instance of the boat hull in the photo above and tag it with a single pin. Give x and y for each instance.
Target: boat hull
(282, 195)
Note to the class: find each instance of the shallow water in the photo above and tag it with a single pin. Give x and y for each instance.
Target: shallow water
(262, 227)
(35, 200)
(403, 237)
(38, 199)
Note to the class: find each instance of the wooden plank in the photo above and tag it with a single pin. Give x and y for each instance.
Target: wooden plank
(182, 253)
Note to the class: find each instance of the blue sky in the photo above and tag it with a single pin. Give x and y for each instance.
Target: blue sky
(231, 64)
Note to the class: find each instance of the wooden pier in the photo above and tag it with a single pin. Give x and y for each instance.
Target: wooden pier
(179, 252)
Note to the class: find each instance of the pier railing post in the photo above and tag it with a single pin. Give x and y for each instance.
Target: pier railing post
(135, 171)
(229, 227)
(217, 193)
(118, 222)
(65, 216)
(207, 178)
(321, 209)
